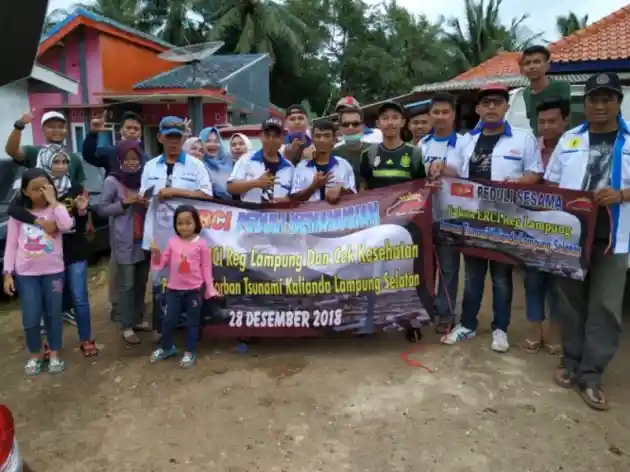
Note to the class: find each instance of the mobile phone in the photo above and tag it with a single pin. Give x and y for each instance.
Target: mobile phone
(148, 193)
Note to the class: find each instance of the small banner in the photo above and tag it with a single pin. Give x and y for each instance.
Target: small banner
(527, 225)
(311, 269)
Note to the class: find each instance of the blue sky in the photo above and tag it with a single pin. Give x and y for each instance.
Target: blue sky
(542, 12)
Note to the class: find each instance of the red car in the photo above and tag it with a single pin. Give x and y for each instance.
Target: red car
(10, 458)
(251, 131)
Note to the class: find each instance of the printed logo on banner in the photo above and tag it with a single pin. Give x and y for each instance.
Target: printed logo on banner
(580, 204)
(218, 220)
(410, 204)
(459, 189)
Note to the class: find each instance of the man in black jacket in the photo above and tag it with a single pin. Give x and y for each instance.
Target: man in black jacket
(105, 157)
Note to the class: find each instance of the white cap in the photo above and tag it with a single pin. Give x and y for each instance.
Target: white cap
(52, 115)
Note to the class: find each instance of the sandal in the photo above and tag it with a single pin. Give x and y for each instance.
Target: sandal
(89, 348)
(564, 377)
(593, 396)
(56, 366)
(554, 350)
(532, 347)
(162, 354)
(188, 360)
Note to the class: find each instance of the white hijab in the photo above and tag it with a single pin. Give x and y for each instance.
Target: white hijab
(248, 143)
(45, 159)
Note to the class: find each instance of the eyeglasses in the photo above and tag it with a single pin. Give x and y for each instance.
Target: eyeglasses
(348, 124)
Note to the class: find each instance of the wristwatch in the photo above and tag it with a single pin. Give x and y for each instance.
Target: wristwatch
(19, 125)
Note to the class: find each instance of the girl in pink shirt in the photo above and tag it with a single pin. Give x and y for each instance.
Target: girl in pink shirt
(36, 260)
(187, 258)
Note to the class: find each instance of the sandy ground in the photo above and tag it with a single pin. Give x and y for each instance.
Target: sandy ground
(308, 406)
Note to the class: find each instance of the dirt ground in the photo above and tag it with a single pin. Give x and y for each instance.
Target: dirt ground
(308, 406)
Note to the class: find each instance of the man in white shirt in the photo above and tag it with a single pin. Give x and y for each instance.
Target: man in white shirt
(494, 151)
(264, 176)
(595, 157)
(439, 147)
(326, 176)
(173, 174)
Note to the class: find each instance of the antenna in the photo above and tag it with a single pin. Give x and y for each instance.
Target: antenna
(192, 55)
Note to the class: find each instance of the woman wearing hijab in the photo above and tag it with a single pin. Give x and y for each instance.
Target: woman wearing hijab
(240, 145)
(194, 147)
(126, 210)
(218, 162)
(55, 161)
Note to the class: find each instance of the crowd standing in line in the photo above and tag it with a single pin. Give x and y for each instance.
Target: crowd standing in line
(325, 161)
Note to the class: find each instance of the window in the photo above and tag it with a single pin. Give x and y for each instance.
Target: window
(78, 136)
(243, 118)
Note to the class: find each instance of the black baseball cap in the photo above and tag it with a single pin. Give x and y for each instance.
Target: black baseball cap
(494, 88)
(295, 110)
(390, 105)
(272, 123)
(604, 81)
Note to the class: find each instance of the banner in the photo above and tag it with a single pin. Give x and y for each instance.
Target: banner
(314, 268)
(532, 225)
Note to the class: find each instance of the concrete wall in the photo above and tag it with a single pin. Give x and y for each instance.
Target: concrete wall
(14, 102)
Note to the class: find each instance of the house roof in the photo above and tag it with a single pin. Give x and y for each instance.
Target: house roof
(511, 81)
(504, 63)
(211, 72)
(53, 78)
(83, 17)
(606, 39)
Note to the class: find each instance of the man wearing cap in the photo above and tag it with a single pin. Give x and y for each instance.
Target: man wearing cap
(298, 144)
(352, 145)
(419, 123)
(494, 151)
(595, 157)
(369, 135)
(173, 174)
(264, 176)
(55, 128)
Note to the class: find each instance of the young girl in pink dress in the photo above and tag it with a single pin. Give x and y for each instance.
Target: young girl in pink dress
(187, 258)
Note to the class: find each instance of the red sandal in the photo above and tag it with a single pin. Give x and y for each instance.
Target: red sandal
(89, 349)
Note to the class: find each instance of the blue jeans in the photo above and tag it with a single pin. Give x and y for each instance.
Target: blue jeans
(448, 272)
(538, 286)
(77, 282)
(178, 302)
(501, 275)
(41, 296)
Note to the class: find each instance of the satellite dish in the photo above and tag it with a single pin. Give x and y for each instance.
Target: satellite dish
(192, 53)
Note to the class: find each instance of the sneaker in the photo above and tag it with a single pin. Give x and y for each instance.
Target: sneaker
(500, 341)
(188, 360)
(161, 354)
(130, 337)
(56, 366)
(33, 367)
(69, 317)
(459, 333)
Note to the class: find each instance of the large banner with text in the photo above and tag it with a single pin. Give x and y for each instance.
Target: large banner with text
(529, 225)
(311, 269)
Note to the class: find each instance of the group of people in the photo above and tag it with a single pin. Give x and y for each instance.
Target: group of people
(324, 161)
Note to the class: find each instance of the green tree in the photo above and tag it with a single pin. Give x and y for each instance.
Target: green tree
(482, 35)
(570, 23)
(173, 21)
(249, 26)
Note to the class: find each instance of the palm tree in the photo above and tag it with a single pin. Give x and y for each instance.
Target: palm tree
(483, 35)
(570, 23)
(171, 20)
(262, 26)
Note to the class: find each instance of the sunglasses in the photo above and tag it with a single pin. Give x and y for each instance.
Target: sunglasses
(347, 124)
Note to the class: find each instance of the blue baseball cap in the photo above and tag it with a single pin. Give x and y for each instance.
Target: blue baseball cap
(172, 126)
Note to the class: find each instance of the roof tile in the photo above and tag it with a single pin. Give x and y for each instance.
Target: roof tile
(606, 39)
